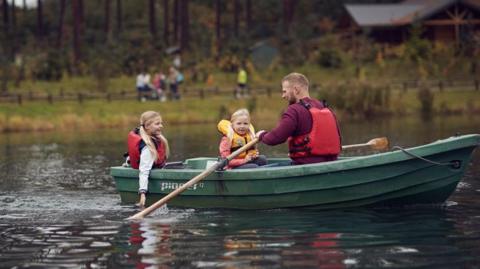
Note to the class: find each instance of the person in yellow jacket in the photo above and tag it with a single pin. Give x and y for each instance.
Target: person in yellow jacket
(242, 80)
(236, 133)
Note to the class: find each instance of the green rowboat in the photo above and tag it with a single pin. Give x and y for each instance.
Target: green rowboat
(417, 175)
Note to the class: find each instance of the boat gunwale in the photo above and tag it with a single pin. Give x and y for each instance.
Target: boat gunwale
(344, 164)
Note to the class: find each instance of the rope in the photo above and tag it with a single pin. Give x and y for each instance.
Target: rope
(455, 164)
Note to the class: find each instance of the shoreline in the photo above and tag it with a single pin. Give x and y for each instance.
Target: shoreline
(98, 114)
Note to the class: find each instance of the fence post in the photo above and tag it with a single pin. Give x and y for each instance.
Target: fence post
(80, 98)
(201, 94)
(19, 99)
(50, 98)
(405, 86)
(477, 84)
(269, 92)
(109, 97)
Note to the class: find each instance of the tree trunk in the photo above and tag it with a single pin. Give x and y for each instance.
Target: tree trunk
(236, 13)
(14, 16)
(288, 12)
(175, 21)
(249, 14)
(119, 16)
(218, 25)
(61, 23)
(76, 30)
(5, 16)
(165, 22)
(81, 16)
(152, 18)
(185, 26)
(39, 19)
(107, 19)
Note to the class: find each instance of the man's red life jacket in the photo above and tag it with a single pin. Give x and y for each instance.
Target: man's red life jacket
(323, 139)
(135, 146)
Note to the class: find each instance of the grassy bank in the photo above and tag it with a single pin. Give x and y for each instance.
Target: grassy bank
(42, 116)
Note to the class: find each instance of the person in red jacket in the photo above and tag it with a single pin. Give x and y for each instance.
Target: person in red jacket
(309, 125)
(147, 149)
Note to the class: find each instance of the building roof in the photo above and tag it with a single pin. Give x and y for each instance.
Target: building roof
(407, 12)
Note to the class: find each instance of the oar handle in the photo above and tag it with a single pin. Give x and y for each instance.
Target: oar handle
(379, 143)
(192, 181)
(355, 146)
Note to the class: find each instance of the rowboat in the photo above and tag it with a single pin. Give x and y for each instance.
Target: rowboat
(426, 174)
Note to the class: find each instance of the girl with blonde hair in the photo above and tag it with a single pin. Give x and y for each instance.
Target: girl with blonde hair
(147, 149)
(236, 133)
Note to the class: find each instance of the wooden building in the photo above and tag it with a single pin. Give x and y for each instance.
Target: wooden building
(441, 20)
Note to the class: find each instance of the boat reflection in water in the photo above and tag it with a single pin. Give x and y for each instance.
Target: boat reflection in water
(296, 239)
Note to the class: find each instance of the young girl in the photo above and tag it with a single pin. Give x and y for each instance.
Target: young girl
(147, 149)
(236, 133)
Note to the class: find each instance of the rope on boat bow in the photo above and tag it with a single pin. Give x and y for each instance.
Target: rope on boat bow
(454, 164)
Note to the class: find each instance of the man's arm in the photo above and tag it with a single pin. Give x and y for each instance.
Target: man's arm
(284, 129)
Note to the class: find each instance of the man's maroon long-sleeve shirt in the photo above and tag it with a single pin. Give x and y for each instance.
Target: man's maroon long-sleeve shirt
(296, 120)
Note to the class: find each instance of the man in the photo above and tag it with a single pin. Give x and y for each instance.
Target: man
(310, 127)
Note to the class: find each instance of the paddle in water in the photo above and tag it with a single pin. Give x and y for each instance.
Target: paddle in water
(218, 165)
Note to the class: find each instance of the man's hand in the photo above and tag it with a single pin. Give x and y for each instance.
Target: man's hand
(260, 133)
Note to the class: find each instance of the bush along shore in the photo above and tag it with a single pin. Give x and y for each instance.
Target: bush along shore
(349, 100)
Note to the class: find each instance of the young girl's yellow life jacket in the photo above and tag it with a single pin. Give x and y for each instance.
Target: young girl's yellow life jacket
(237, 141)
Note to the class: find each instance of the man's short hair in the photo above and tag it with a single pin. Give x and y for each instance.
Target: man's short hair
(297, 79)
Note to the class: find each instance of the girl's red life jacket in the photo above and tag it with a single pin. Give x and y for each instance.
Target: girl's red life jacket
(323, 139)
(135, 145)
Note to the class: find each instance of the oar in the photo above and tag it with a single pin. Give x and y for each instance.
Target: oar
(376, 143)
(204, 174)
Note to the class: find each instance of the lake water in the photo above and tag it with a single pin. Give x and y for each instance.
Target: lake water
(59, 209)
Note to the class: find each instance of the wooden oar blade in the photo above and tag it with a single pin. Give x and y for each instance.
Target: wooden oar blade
(380, 143)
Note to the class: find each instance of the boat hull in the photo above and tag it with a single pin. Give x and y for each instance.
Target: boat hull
(392, 178)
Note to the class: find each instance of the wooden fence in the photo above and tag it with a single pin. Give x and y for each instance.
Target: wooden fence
(201, 93)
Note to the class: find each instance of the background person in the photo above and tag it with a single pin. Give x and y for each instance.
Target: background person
(143, 85)
(242, 79)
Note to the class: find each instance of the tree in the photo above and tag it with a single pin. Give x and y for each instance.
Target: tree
(248, 10)
(61, 19)
(236, 12)
(288, 12)
(165, 22)
(107, 18)
(218, 22)
(152, 18)
(5, 16)
(81, 17)
(39, 19)
(119, 16)
(76, 30)
(14, 16)
(175, 20)
(185, 25)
